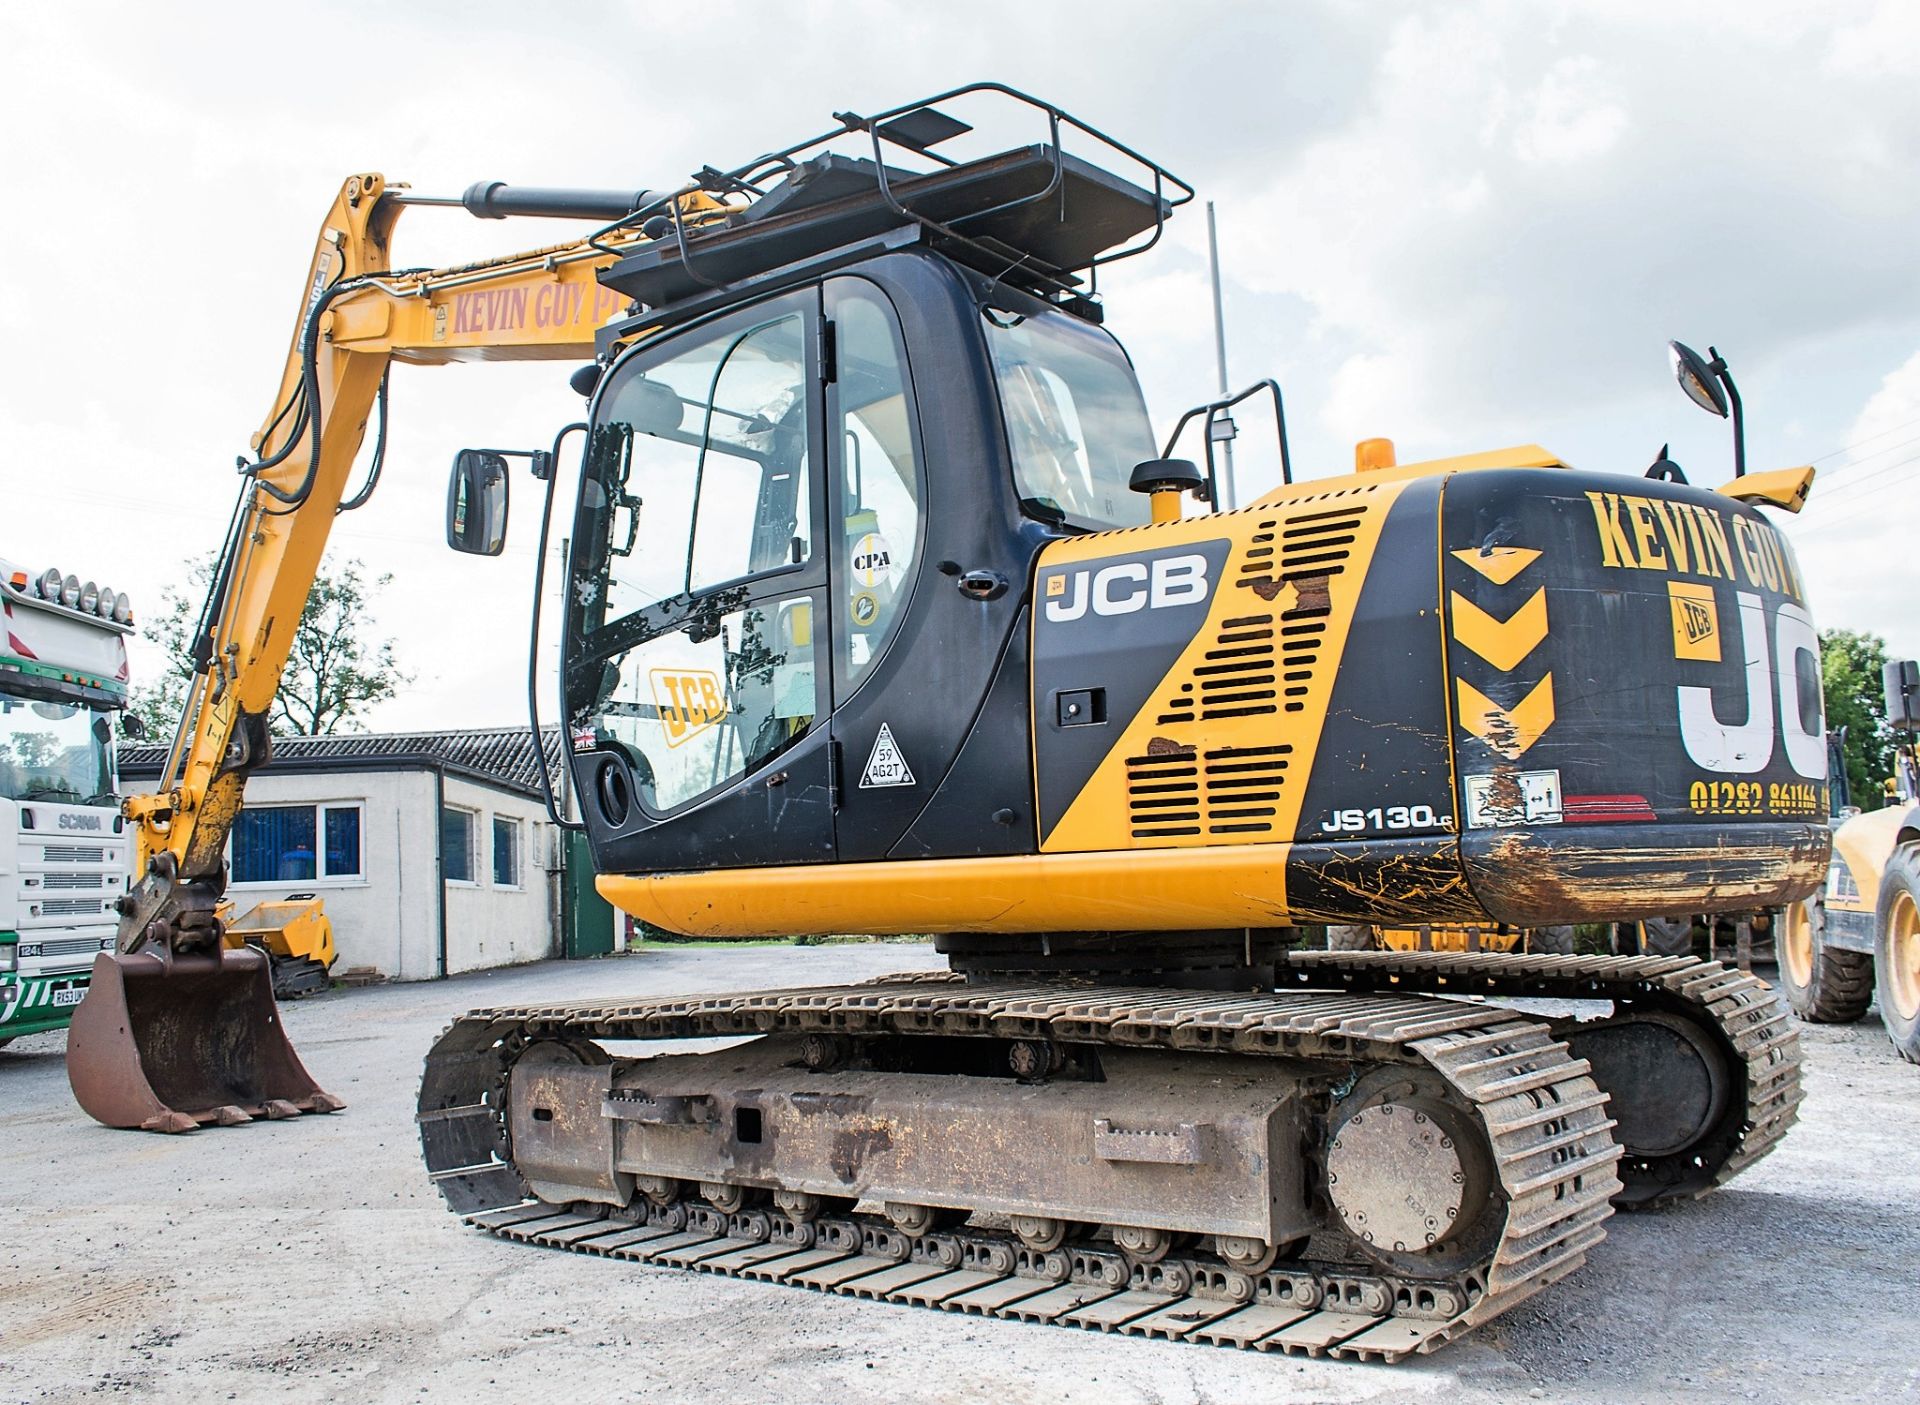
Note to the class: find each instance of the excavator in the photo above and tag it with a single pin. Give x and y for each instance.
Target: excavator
(884, 612)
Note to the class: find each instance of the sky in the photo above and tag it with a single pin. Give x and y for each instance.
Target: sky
(1457, 225)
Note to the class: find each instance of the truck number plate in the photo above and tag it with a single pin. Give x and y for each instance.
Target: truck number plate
(69, 995)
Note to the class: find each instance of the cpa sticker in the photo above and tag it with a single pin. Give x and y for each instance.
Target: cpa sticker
(865, 609)
(872, 561)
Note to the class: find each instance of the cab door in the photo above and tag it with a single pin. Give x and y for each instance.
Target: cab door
(697, 680)
(893, 748)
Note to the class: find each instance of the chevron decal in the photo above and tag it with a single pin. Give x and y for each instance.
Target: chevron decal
(1509, 731)
(1498, 564)
(1502, 643)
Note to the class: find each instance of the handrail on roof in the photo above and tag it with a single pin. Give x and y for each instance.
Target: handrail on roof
(749, 179)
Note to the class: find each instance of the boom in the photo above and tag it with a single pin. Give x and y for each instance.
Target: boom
(356, 319)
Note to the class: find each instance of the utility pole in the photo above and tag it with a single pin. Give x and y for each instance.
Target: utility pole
(1225, 423)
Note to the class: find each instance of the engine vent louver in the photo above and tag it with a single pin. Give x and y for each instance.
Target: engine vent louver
(1261, 659)
(1176, 791)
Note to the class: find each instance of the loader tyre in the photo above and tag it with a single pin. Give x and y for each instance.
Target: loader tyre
(1350, 938)
(1897, 950)
(1667, 936)
(1823, 984)
(1551, 941)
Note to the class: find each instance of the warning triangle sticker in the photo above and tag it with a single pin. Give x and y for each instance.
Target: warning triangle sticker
(887, 765)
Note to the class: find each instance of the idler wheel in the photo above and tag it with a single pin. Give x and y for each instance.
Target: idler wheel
(1409, 1178)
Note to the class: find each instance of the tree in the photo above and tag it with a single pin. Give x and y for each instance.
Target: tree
(1850, 674)
(333, 676)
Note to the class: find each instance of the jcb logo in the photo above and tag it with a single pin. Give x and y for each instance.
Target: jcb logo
(1743, 747)
(1127, 586)
(688, 701)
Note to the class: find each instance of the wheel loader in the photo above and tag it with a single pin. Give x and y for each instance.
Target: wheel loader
(1857, 941)
(884, 612)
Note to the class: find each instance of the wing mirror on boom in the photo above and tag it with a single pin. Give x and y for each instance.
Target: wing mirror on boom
(477, 502)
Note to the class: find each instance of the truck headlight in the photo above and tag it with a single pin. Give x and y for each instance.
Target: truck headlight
(70, 591)
(89, 598)
(8, 961)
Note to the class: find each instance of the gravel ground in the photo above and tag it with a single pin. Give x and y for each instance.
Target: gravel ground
(311, 1261)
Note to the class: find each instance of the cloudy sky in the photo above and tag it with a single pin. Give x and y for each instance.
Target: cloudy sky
(1458, 225)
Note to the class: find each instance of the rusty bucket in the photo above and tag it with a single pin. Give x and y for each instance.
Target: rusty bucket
(167, 1046)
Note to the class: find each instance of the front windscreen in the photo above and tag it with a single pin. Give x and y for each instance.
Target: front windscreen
(55, 751)
(1076, 422)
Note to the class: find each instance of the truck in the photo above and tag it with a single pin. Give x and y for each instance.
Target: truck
(65, 852)
(885, 612)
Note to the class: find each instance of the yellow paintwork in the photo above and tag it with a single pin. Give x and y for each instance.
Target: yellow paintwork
(1519, 456)
(296, 928)
(1511, 731)
(1498, 564)
(1242, 885)
(543, 304)
(1502, 643)
(1448, 938)
(1866, 842)
(1099, 817)
(1782, 487)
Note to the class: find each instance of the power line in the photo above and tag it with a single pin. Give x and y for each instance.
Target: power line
(1877, 434)
(1885, 468)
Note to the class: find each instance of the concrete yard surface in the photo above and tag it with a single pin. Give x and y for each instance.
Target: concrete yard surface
(312, 1261)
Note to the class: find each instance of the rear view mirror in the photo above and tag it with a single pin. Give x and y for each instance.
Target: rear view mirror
(1901, 678)
(477, 503)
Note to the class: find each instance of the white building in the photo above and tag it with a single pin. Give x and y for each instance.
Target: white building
(431, 850)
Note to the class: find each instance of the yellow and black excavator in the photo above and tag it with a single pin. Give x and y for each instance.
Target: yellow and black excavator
(883, 613)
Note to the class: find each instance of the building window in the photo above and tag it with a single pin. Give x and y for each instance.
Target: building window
(278, 843)
(456, 844)
(506, 852)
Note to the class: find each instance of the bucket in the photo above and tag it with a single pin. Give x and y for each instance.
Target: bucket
(170, 1045)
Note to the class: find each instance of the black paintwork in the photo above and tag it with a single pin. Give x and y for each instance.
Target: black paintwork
(1127, 655)
(930, 684)
(985, 804)
(994, 204)
(1384, 742)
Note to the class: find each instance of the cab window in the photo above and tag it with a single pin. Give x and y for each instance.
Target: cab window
(700, 467)
(879, 472)
(1076, 422)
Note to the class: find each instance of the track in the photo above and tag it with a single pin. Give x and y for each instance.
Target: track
(1739, 1012)
(1541, 1114)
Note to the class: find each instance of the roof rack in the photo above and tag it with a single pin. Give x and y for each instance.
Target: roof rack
(1034, 217)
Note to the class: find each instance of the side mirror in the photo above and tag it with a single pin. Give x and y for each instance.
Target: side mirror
(135, 729)
(477, 503)
(1901, 681)
(1697, 378)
